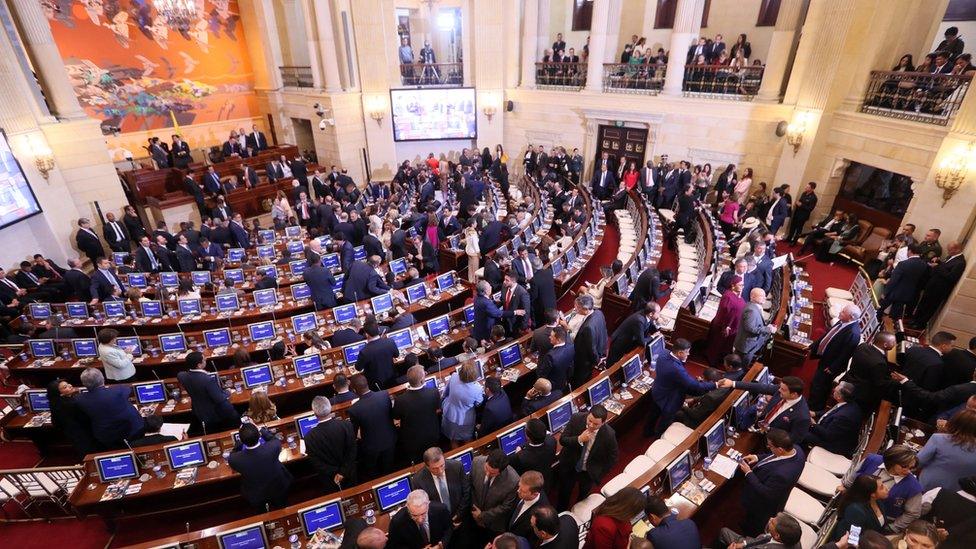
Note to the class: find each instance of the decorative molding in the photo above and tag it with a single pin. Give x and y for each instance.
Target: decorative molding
(544, 138)
(650, 119)
(701, 156)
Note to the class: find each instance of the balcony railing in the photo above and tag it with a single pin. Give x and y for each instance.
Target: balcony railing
(296, 77)
(722, 81)
(634, 78)
(917, 96)
(560, 76)
(432, 74)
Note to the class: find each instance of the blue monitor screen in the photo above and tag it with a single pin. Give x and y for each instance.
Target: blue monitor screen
(85, 348)
(40, 311)
(599, 392)
(40, 348)
(764, 376)
(297, 268)
(511, 441)
(189, 306)
(265, 298)
(152, 308)
(251, 537)
(392, 493)
(438, 326)
(517, 242)
(37, 400)
(117, 466)
(679, 470)
(305, 423)
(234, 275)
(557, 266)
(715, 438)
(267, 236)
(656, 348)
(150, 393)
(256, 375)
(416, 292)
(570, 256)
(118, 257)
(293, 231)
(266, 251)
(431, 382)
(337, 287)
(622, 286)
(325, 240)
(351, 352)
(187, 454)
(130, 344)
(217, 338)
(300, 291)
(445, 281)
(227, 302)
(359, 253)
(398, 266)
(303, 323)
(172, 343)
(402, 338)
(199, 278)
(295, 247)
(79, 310)
(261, 331)
(382, 303)
(344, 313)
(510, 356)
(267, 270)
(326, 516)
(741, 409)
(307, 365)
(560, 415)
(170, 280)
(235, 255)
(114, 309)
(469, 314)
(466, 460)
(330, 261)
(137, 280)
(632, 369)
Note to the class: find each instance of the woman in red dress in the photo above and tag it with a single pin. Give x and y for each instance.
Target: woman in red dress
(721, 333)
(631, 176)
(610, 527)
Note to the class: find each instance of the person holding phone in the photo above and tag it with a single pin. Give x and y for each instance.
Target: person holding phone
(860, 508)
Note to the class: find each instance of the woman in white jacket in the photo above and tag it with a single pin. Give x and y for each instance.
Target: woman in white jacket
(116, 362)
(473, 250)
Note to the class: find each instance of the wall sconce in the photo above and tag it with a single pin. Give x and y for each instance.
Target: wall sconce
(489, 112)
(43, 157)
(376, 108)
(377, 115)
(953, 170)
(795, 131)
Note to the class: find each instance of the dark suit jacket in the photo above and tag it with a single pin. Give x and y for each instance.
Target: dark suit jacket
(532, 405)
(568, 537)
(631, 334)
(870, 375)
(647, 288)
(345, 336)
(904, 283)
(958, 367)
(542, 291)
(923, 365)
(491, 236)
(80, 284)
(362, 282)
(795, 420)
(675, 533)
(110, 235)
(603, 453)
(419, 421)
(839, 349)
(672, 384)
(207, 399)
(102, 287)
(496, 413)
(493, 274)
(768, 486)
(376, 362)
(522, 526)
(557, 365)
(486, 314)
(496, 503)
(694, 414)
(541, 458)
(331, 447)
(342, 397)
(263, 477)
(90, 244)
(458, 486)
(320, 281)
(837, 429)
(112, 416)
(372, 416)
(239, 236)
(406, 534)
(257, 142)
(590, 346)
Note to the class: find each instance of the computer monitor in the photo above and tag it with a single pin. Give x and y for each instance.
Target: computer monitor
(40, 311)
(118, 257)
(403, 339)
(80, 310)
(430, 381)
(118, 466)
(85, 347)
(293, 231)
(331, 261)
(439, 326)
(227, 302)
(713, 439)
(741, 409)
(599, 391)
(151, 308)
(267, 270)
(170, 280)
(517, 242)
(37, 400)
(137, 280)
(678, 470)
(469, 314)
(339, 279)
(416, 292)
(382, 303)
(359, 253)
(266, 297)
(398, 266)
(305, 423)
(234, 275)
(324, 516)
(130, 342)
(351, 352)
(266, 251)
(217, 338)
(764, 376)
(186, 454)
(41, 348)
(570, 256)
(300, 291)
(295, 247)
(557, 266)
(307, 365)
(560, 415)
(189, 306)
(466, 458)
(345, 313)
(257, 375)
(199, 278)
(510, 355)
(266, 236)
(632, 368)
(114, 309)
(446, 281)
(632, 271)
(622, 286)
(392, 492)
(297, 268)
(304, 322)
(513, 439)
(261, 331)
(172, 343)
(150, 392)
(656, 348)
(247, 537)
(325, 241)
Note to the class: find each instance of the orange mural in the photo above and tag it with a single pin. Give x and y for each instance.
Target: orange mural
(136, 69)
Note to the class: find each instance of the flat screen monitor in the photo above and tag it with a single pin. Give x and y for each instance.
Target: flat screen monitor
(325, 240)
(398, 266)
(150, 392)
(307, 365)
(469, 314)
(295, 247)
(430, 381)
(403, 339)
(438, 326)
(114, 309)
(172, 343)
(170, 280)
(297, 268)
(339, 279)
(293, 231)
(85, 347)
(570, 256)
(40, 311)
(37, 400)
(267, 270)
(199, 278)
(599, 391)
(257, 375)
(266, 236)
(351, 352)
(119, 466)
(186, 454)
(189, 306)
(714, 438)
(137, 280)
(513, 439)
(217, 338)
(324, 516)
(359, 253)
(331, 261)
(382, 303)
(261, 331)
(131, 344)
(740, 409)
(235, 255)
(300, 291)
(446, 281)
(345, 313)
(516, 242)
(41, 348)
(559, 416)
(622, 286)
(434, 113)
(416, 292)
(392, 493)
(764, 376)
(234, 275)
(632, 271)
(266, 251)
(656, 348)
(151, 308)
(248, 537)
(305, 423)
(266, 297)
(466, 458)
(679, 470)
(510, 356)
(557, 266)
(77, 309)
(632, 368)
(118, 257)
(227, 302)
(304, 322)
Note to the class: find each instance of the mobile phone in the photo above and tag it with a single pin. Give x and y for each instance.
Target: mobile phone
(854, 536)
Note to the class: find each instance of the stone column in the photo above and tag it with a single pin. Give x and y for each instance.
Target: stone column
(36, 33)
(15, 116)
(530, 29)
(598, 45)
(687, 27)
(780, 48)
(308, 13)
(328, 50)
(512, 10)
(544, 38)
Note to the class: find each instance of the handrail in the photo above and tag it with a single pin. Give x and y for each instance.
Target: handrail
(560, 76)
(432, 74)
(916, 96)
(296, 76)
(644, 78)
(722, 81)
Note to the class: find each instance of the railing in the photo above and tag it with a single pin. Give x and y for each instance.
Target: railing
(560, 76)
(296, 77)
(634, 78)
(722, 81)
(432, 74)
(917, 96)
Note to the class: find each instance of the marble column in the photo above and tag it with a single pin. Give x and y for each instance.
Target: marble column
(530, 29)
(780, 48)
(598, 45)
(328, 50)
(314, 57)
(687, 27)
(544, 38)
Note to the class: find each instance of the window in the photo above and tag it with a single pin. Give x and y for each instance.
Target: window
(768, 11)
(960, 10)
(664, 17)
(582, 15)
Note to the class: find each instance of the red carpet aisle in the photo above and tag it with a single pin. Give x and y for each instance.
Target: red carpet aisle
(603, 257)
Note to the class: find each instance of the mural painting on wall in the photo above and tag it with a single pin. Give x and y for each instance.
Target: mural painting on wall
(136, 69)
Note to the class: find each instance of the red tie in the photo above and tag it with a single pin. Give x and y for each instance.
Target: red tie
(508, 298)
(772, 413)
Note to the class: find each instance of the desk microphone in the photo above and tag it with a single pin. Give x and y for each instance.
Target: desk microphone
(761, 540)
(142, 464)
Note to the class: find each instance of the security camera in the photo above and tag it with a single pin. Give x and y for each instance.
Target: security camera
(319, 110)
(325, 123)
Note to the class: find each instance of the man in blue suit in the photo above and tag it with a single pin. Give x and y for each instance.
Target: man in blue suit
(557, 364)
(376, 358)
(113, 418)
(778, 212)
(105, 284)
(669, 531)
(787, 410)
(769, 478)
(372, 416)
(347, 252)
(837, 429)
(211, 181)
(497, 410)
(362, 281)
(349, 334)
(264, 479)
(763, 272)
(491, 236)
(834, 350)
(671, 385)
(603, 182)
(208, 400)
(239, 236)
(486, 313)
(320, 281)
(904, 284)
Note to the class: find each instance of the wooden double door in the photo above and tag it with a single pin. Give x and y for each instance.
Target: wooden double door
(623, 145)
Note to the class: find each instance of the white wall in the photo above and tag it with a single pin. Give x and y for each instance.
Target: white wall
(967, 31)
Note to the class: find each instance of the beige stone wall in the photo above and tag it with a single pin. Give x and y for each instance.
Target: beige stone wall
(200, 137)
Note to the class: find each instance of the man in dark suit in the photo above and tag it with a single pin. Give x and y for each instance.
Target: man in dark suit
(350, 334)
(802, 209)
(193, 189)
(941, 282)
(603, 182)
(778, 211)
(105, 284)
(542, 293)
(345, 249)
(556, 364)
(539, 452)
(531, 496)
(222, 210)
(786, 410)
(589, 451)
(248, 176)
(420, 524)
(362, 281)
(538, 397)
(695, 412)
(769, 479)
(240, 238)
(554, 531)
(515, 299)
(671, 385)
(837, 429)
(486, 313)
(753, 330)
(685, 215)
(869, 372)
(320, 281)
(493, 271)
(959, 365)
(186, 261)
(763, 271)
(416, 409)
(256, 139)
(305, 211)
(211, 181)
(264, 479)
(493, 484)
(539, 343)
(231, 147)
(590, 344)
(646, 289)
(115, 234)
(208, 400)
(274, 170)
(946, 401)
(372, 415)
(633, 333)
(669, 531)
(445, 482)
(834, 350)
(158, 153)
(496, 410)
(491, 236)
(88, 241)
(78, 281)
(113, 418)
(522, 265)
(331, 447)
(180, 152)
(783, 532)
(923, 365)
(376, 358)
(903, 284)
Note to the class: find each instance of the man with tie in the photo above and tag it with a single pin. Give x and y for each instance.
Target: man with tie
(146, 260)
(105, 284)
(305, 210)
(778, 212)
(420, 524)
(115, 234)
(274, 171)
(445, 482)
(493, 492)
(523, 266)
(768, 480)
(256, 139)
(222, 210)
(941, 282)
(185, 258)
(41, 289)
(603, 181)
(239, 235)
(11, 295)
(834, 350)
(837, 429)
(515, 299)
(88, 241)
(697, 49)
(903, 285)
(211, 181)
(590, 344)
(232, 147)
(787, 410)
(671, 385)
(331, 447)
(556, 364)
(158, 153)
(530, 497)
(589, 451)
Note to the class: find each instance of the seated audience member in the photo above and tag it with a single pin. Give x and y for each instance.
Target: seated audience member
(769, 477)
(955, 510)
(421, 523)
(698, 410)
(152, 436)
(554, 531)
(264, 479)
(114, 420)
(837, 429)
(669, 531)
(209, 401)
(783, 531)
(894, 469)
(861, 506)
(540, 395)
(610, 526)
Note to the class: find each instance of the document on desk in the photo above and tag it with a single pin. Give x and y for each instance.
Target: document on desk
(177, 430)
(724, 466)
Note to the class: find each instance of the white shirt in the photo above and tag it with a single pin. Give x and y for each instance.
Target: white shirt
(786, 406)
(773, 458)
(526, 505)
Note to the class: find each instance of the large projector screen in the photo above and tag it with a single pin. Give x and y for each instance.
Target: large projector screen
(17, 200)
(436, 113)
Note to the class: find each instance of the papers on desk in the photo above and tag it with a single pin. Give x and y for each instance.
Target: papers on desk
(724, 466)
(177, 430)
